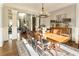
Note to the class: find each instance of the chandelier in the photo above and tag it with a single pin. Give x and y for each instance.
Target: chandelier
(43, 13)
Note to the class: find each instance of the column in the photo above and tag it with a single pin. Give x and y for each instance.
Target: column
(31, 22)
(77, 24)
(14, 24)
(1, 31)
(37, 23)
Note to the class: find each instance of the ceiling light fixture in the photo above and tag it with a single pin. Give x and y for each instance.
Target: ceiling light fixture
(43, 13)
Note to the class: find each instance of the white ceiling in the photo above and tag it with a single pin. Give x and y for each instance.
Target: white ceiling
(37, 6)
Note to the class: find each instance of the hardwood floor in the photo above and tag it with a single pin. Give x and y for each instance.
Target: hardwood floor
(9, 50)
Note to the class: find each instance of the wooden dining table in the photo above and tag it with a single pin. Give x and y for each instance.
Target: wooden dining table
(53, 37)
(56, 37)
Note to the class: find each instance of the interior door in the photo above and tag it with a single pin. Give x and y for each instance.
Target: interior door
(33, 23)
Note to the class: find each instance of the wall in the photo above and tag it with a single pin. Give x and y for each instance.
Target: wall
(45, 21)
(69, 10)
(77, 24)
(5, 23)
(1, 18)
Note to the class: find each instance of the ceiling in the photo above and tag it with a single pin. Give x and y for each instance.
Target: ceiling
(49, 7)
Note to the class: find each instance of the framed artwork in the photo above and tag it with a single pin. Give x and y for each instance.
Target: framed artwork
(61, 16)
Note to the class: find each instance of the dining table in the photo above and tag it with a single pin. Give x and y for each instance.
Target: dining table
(57, 37)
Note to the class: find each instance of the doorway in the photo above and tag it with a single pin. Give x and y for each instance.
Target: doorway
(33, 23)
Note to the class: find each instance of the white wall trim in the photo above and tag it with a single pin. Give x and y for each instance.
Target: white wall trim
(1, 28)
(1, 37)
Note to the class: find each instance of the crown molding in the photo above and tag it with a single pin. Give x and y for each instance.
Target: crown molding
(21, 9)
(1, 4)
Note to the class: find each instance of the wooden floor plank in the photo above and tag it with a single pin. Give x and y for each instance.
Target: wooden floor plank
(8, 50)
